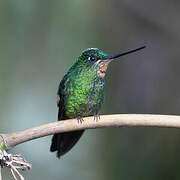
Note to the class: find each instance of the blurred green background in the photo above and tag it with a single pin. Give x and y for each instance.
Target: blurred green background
(40, 40)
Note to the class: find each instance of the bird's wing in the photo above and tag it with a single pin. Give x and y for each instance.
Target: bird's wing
(63, 142)
(61, 98)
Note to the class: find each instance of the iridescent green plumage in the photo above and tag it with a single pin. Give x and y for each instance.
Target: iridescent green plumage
(81, 94)
(83, 89)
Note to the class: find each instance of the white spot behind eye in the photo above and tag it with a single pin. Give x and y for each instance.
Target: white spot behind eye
(89, 58)
(98, 61)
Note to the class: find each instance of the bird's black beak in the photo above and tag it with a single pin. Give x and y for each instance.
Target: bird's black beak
(124, 53)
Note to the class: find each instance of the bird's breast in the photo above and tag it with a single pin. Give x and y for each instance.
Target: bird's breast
(85, 97)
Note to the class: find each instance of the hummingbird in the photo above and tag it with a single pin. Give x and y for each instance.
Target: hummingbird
(81, 94)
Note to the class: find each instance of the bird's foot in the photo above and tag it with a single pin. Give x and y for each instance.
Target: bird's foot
(80, 119)
(96, 117)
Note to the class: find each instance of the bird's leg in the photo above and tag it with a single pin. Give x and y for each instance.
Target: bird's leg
(80, 119)
(96, 117)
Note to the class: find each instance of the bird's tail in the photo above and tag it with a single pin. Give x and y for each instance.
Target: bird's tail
(63, 142)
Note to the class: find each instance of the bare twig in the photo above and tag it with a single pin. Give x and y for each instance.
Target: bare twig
(117, 120)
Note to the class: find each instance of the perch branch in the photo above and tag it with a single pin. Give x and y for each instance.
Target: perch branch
(116, 120)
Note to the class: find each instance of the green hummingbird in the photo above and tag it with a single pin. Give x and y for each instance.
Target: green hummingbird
(81, 94)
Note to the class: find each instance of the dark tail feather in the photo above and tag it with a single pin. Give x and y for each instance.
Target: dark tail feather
(63, 142)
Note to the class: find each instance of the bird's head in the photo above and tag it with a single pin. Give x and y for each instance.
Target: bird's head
(96, 58)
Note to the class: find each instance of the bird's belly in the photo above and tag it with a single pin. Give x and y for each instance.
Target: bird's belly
(81, 104)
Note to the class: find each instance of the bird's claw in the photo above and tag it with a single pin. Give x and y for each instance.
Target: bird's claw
(96, 117)
(80, 120)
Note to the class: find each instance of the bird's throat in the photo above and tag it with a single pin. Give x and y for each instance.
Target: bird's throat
(103, 68)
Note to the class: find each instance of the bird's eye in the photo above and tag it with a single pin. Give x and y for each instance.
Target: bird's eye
(93, 58)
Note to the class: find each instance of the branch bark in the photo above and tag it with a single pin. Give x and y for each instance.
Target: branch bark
(116, 120)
